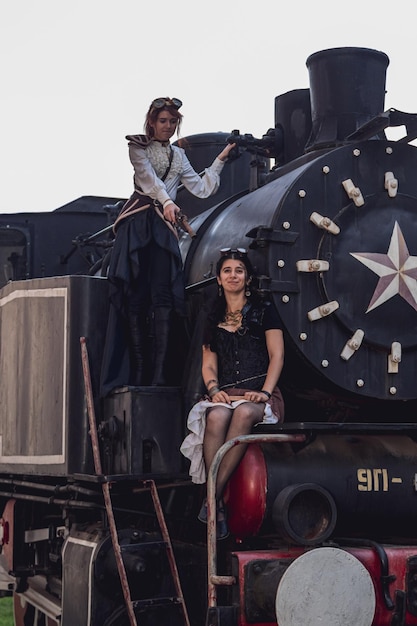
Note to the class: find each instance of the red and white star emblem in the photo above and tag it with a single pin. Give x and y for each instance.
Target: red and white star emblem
(397, 271)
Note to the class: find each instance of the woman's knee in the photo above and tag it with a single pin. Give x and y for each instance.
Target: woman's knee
(217, 417)
(249, 413)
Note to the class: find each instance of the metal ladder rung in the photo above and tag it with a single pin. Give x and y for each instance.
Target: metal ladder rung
(150, 603)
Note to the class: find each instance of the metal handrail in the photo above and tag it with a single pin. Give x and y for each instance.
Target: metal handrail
(213, 580)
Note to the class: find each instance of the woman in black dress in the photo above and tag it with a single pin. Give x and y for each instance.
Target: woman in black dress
(243, 356)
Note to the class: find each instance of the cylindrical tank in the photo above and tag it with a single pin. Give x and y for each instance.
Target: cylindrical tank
(201, 151)
(370, 479)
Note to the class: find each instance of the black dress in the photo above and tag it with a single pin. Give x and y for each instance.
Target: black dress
(243, 355)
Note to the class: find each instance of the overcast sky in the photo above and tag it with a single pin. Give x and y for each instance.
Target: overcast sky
(78, 75)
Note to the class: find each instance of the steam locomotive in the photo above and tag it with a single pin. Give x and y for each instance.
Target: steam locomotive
(99, 524)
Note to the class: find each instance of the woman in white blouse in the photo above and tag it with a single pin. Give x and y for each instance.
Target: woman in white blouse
(145, 272)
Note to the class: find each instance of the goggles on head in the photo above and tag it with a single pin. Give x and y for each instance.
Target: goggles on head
(159, 103)
(238, 251)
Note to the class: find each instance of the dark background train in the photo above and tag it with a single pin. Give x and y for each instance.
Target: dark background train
(99, 520)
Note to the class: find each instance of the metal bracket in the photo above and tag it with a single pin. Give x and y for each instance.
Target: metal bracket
(394, 358)
(391, 184)
(352, 345)
(323, 311)
(325, 223)
(354, 193)
(312, 265)
(263, 235)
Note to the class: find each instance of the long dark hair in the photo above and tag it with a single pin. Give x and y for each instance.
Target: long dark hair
(216, 307)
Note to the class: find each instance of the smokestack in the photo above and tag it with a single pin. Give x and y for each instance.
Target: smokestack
(347, 89)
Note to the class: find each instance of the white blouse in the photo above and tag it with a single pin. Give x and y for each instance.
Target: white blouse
(150, 164)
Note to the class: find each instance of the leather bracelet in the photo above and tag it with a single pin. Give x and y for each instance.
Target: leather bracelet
(213, 390)
(266, 393)
(212, 380)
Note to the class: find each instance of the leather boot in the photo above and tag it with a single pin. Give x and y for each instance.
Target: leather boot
(137, 331)
(162, 324)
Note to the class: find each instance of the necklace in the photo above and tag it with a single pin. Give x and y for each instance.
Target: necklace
(232, 318)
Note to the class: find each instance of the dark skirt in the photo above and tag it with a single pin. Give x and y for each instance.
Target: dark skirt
(134, 234)
(139, 237)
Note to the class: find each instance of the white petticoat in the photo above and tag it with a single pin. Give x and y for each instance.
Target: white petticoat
(192, 446)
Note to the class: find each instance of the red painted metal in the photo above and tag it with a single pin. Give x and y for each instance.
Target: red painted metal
(248, 483)
(397, 566)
